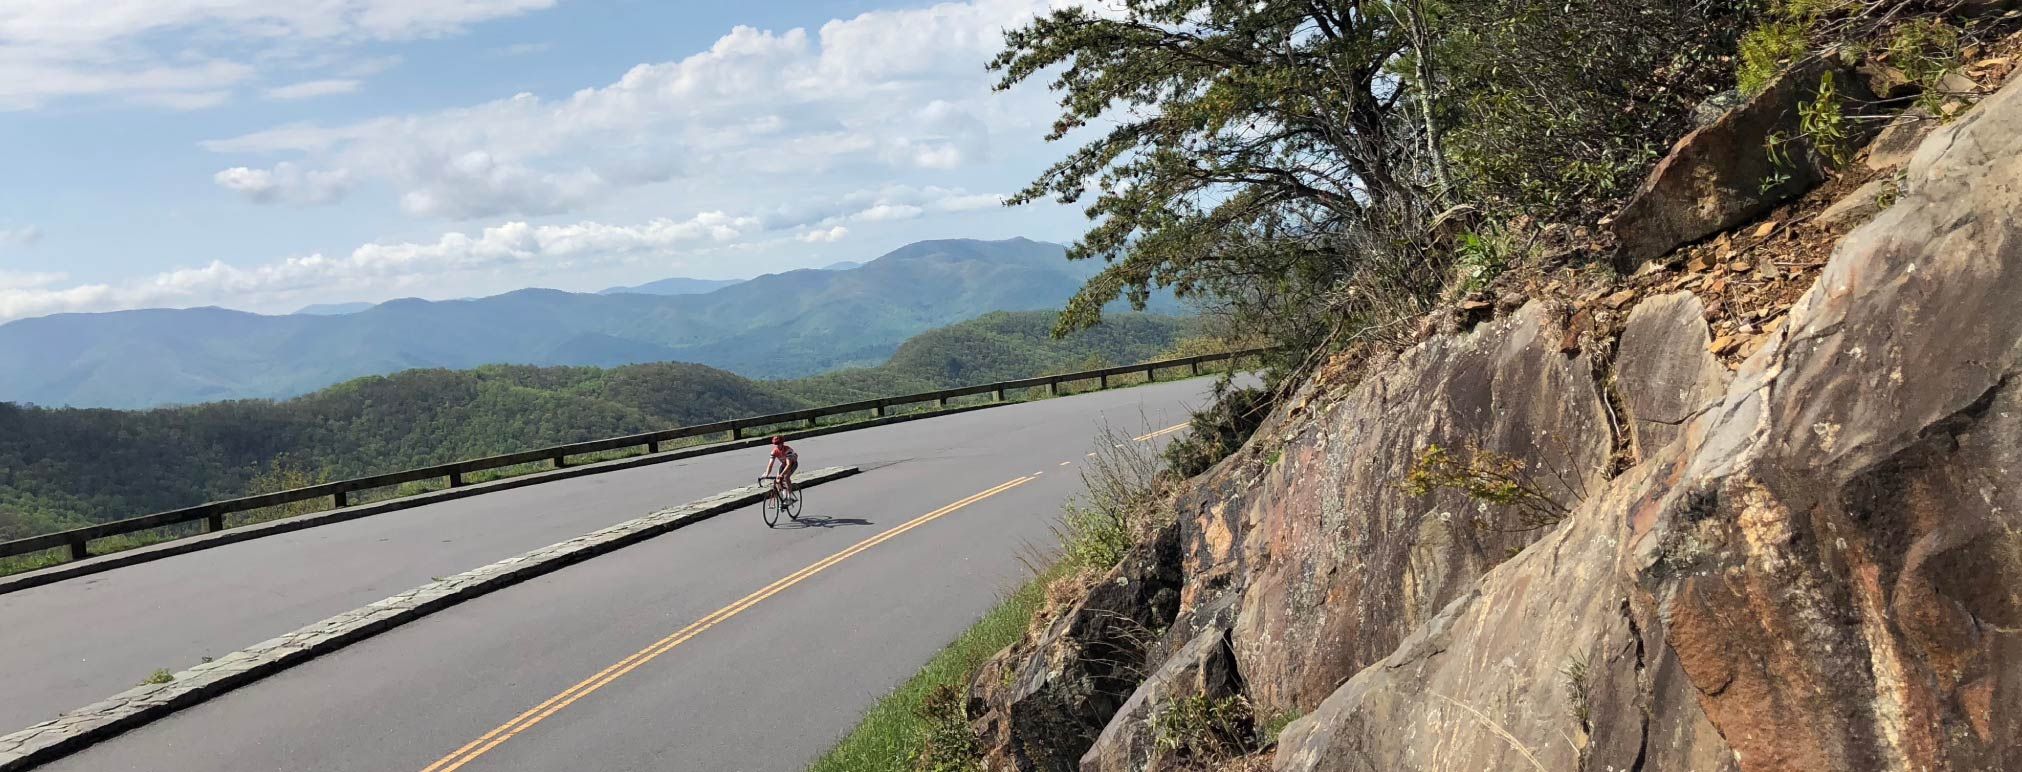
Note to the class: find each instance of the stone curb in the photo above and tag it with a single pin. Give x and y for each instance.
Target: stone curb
(78, 729)
(121, 559)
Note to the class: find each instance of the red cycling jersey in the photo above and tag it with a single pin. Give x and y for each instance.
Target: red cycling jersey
(784, 452)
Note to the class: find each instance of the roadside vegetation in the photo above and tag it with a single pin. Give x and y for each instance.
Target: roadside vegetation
(924, 725)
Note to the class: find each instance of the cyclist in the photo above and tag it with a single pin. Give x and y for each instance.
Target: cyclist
(787, 460)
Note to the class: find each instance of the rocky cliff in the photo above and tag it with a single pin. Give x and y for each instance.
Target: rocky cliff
(1781, 538)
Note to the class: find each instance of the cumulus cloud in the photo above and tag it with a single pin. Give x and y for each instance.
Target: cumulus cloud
(311, 89)
(902, 89)
(825, 236)
(285, 183)
(187, 54)
(513, 246)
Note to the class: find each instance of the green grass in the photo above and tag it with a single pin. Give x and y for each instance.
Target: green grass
(894, 731)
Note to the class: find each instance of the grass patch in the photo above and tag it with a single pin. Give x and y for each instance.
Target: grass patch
(161, 675)
(899, 732)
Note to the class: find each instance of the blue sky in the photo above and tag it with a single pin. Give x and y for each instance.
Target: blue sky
(267, 154)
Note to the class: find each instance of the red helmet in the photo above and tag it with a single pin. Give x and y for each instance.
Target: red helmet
(778, 440)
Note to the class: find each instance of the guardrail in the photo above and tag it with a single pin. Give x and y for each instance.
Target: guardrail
(213, 513)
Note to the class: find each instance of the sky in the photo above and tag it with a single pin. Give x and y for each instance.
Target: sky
(269, 154)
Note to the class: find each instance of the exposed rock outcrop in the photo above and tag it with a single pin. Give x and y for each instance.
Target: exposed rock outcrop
(1726, 172)
(1824, 572)
(1040, 708)
(1203, 668)
(1339, 562)
(1811, 562)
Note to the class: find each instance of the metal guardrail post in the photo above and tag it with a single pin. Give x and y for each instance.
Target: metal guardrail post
(1196, 366)
(77, 549)
(1151, 375)
(561, 461)
(1053, 389)
(652, 446)
(342, 502)
(1000, 394)
(455, 479)
(1105, 381)
(216, 522)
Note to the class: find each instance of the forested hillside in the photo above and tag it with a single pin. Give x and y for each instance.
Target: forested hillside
(783, 325)
(62, 468)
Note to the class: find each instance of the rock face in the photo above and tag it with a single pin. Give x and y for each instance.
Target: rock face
(1724, 173)
(1814, 563)
(1823, 571)
(1839, 570)
(1204, 667)
(1041, 708)
(1663, 371)
(1339, 562)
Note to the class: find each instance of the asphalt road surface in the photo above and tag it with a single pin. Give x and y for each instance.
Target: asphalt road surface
(721, 646)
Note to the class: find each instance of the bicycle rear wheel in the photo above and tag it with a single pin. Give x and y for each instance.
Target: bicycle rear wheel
(768, 508)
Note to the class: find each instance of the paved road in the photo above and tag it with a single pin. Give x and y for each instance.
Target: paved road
(765, 688)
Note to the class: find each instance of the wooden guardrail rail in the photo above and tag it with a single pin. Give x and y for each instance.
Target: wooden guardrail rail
(213, 513)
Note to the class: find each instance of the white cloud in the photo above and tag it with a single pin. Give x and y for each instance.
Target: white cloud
(828, 236)
(23, 236)
(285, 182)
(188, 53)
(311, 89)
(381, 267)
(904, 89)
(25, 281)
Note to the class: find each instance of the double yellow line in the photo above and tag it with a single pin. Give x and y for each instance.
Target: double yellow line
(492, 739)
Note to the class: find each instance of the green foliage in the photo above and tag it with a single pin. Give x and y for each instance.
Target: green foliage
(1199, 728)
(1251, 164)
(159, 676)
(1926, 50)
(1219, 430)
(1489, 477)
(1271, 726)
(1558, 107)
(1769, 48)
(948, 745)
(1575, 673)
(914, 726)
(1119, 507)
(1823, 121)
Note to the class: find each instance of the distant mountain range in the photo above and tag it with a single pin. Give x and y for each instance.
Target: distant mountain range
(334, 309)
(774, 326)
(674, 286)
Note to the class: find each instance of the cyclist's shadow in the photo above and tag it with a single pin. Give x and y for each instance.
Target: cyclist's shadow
(817, 521)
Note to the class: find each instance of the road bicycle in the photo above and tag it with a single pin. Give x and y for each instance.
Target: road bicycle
(776, 501)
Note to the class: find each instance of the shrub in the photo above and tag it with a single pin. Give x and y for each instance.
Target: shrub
(1197, 727)
(1219, 430)
(1488, 477)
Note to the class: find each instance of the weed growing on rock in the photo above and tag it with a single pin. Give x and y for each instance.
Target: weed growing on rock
(1576, 675)
(1201, 728)
(1273, 725)
(159, 676)
(1824, 122)
(1488, 477)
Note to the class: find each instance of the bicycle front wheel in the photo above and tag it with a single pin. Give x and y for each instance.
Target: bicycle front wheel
(768, 508)
(792, 505)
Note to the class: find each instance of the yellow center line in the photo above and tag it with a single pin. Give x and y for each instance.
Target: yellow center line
(1159, 433)
(538, 713)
